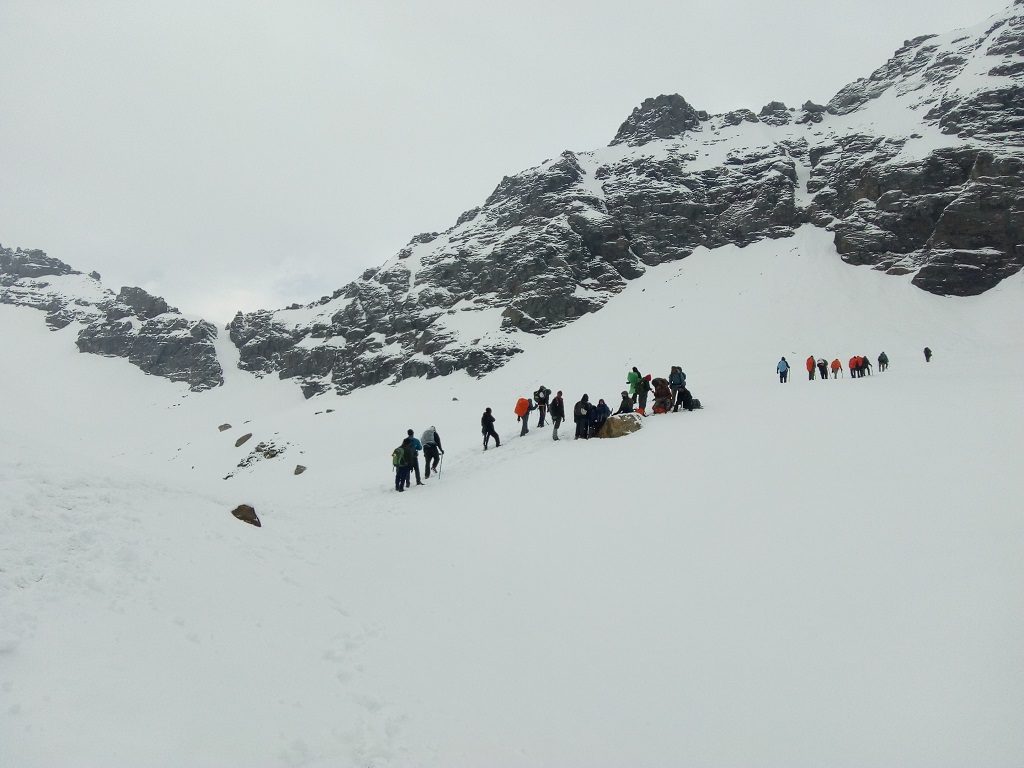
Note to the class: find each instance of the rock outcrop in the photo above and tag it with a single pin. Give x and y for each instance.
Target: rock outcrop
(133, 324)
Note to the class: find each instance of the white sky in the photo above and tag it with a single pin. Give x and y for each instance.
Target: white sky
(238, 155)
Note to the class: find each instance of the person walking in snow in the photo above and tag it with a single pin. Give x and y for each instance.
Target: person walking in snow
(581, 417)
(404, 467)
(854, 363)
(822, 369)
(783, 370)
(633, 380)
(626, 406)
(642, 391)
(810, 368)
(598, 416)
(883, 362)
(927, 356)
(837, 368)
(540, 399)
(487, 427)
(676, 381)
(416, 448)
(865, 365)
(522, 409)
(432, 451)
(557, 411)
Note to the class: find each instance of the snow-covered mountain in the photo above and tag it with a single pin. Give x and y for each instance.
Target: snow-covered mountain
(914, 170)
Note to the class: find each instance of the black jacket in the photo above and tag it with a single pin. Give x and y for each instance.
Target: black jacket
(487, 422)
(581, 410)
(557, 408)
(626, 406)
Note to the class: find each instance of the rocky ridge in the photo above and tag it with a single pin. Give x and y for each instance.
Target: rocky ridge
(916, 169)
(134, 325)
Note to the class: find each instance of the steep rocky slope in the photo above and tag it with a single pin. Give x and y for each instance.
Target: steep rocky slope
(133, 324)
(916, 169)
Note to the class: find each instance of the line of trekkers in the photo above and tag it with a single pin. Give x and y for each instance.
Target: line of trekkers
(405, 459)
(669, 394)
(859, 366)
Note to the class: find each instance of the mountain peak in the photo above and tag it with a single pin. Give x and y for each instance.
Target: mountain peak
(662, 117)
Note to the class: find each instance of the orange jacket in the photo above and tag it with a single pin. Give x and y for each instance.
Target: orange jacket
(854, 361)
(836, 365)
(810, 363)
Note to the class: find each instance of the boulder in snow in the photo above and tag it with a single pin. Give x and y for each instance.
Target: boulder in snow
(247, 514)
(620, 425)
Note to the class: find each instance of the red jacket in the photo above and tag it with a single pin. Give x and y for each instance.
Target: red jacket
(810, 363)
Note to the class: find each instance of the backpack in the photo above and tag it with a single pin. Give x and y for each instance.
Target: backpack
(522, 407)
(398, 456)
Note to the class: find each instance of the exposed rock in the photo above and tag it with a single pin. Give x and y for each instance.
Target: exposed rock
(299, 469)
(243, 439)
(223, 427)
(621, 425)
(775, 113)
(247, 514)
(134, 325)
(659, 118)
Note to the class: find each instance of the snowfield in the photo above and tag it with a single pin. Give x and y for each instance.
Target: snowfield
(814, 574)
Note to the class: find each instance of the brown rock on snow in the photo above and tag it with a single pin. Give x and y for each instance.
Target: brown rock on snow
(243, 439)
(299, 469)
(223, 427)
(623, 424)
(246, 514)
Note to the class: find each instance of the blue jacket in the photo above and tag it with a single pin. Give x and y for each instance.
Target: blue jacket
(676, 379)
(783, 366)
(416, 444)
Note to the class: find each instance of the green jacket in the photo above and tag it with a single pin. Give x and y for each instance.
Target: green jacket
(632, 378)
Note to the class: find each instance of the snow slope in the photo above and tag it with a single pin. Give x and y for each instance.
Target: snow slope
(800, 575)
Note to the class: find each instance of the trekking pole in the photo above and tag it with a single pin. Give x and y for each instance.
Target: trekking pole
(440, 466)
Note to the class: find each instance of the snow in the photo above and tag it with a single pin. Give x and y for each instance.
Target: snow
(816, 573)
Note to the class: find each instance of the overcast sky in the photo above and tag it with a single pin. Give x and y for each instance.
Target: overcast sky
(239, 155)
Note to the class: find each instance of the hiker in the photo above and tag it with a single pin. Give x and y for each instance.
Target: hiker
(642, 391)
(883, 362)
(557, 411)
(598, 416)
(633, 380)
(927, 356)
(522, 409)
(687, 399)
(676, 381)
(822, 369)
(865, 365)
(487, 427)
(404, 455)
(662, 395)
(810, 368)
(853, 367)
(837, 368)
(626, 406)
(783, 369)
(432, 451)
(581, 415)
(417, 446)
(540, 398)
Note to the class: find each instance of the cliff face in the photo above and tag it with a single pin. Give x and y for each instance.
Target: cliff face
(916, 170)
(133, 324)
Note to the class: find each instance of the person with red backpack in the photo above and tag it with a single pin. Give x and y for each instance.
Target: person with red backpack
(810, 368)
(837, 368)
(522, 409)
